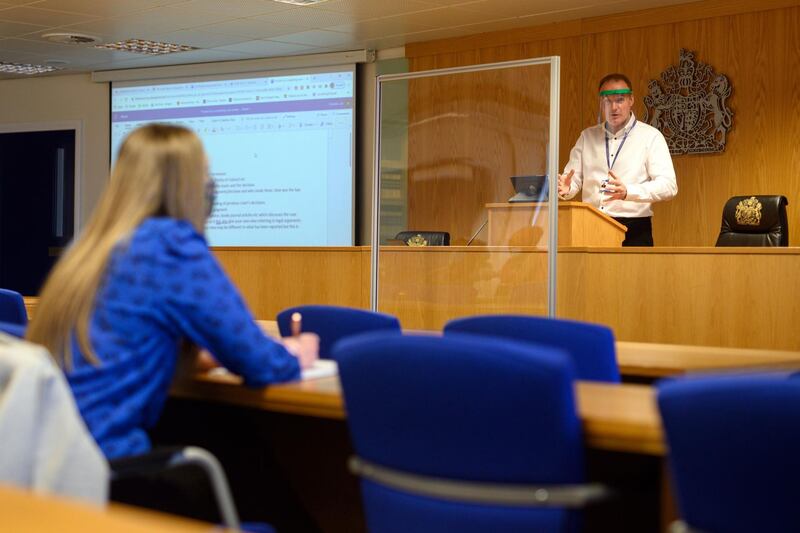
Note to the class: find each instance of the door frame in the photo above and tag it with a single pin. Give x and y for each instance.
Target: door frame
(60, 125)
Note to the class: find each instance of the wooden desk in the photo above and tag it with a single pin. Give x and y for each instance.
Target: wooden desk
(27, 512)
(651, 360)
(615, 417)
(642, 359)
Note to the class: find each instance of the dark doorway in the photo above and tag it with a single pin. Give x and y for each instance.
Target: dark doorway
(37, 198)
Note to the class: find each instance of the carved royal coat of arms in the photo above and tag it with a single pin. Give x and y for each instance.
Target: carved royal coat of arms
(688, 105)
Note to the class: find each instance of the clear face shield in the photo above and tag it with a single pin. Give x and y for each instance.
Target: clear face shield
(609, 99)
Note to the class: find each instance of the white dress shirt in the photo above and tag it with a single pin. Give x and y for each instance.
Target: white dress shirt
(642, 163)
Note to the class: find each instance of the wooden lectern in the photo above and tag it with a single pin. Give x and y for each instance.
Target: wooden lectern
(525, 224)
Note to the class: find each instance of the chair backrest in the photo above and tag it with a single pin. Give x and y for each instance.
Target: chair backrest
(332, 323)
(591, 346)
(424, 238)
(13, 329)
(12, 308)
(734, 445)
(464, 408)
(754, 221)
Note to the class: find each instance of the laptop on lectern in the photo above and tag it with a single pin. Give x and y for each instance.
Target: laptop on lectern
(529, 188)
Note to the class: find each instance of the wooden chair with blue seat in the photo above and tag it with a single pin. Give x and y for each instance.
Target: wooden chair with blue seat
(12, 308)
(332, 323)
(463, 433)
(591, 346)
(733, 445)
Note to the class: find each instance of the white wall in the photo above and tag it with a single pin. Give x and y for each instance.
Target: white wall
(66, 98)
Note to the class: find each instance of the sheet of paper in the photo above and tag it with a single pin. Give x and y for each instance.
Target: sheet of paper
(322, 368)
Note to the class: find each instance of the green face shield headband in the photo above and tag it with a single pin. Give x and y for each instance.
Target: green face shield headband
(609, 92)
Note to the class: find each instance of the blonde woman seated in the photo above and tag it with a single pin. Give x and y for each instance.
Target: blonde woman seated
(138, 282)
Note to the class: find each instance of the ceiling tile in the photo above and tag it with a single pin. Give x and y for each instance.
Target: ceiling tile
(43, 17)
(450, 33)
(237, 8)
(61, 51)
(317, 38)
(233, 29)
(265, 48)
(252, 28)
(480, 27)
(362, 10)
(201, 39)
(307, 17)
(14, 29)
(20, 2)
(382, 43)
(452, 17)
(10, 56)
(384, 27)
(103, 8)
(182, 58)
(147, 23)
(35, 46)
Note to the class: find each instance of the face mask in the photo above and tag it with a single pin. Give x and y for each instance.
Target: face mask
(210, 196)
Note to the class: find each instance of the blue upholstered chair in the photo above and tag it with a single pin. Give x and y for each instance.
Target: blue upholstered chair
(463, 433)
(591, 346)
(332, 323)
(12, 308)
(733, 445)
(13, 329)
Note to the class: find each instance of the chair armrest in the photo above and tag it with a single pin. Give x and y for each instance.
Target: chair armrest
(170, 457)
(482, 493)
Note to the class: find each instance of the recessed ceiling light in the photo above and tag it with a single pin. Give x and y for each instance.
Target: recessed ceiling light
(301, 2)
(143, 46)
(71, 38)
(26, 68)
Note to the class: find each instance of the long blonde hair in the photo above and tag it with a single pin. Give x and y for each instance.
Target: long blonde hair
(160, 171)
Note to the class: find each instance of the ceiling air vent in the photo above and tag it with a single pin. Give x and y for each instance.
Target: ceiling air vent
(25, 68)
(71, 38)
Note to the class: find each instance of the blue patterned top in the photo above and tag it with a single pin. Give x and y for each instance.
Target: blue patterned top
(163, 285)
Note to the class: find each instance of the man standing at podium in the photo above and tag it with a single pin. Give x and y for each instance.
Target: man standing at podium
(622, 165)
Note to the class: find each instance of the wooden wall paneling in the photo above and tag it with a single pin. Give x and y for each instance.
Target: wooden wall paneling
(607, 23)
(756, 44)
(692, 296)
(271, 279)
(469, 133)
(366, 280)
(427, 287)
(679, 13)
(705, 297)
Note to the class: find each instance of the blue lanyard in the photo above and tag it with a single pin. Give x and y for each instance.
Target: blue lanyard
(609, 162)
